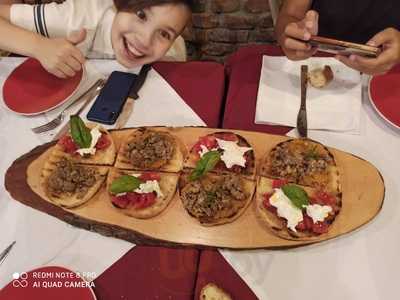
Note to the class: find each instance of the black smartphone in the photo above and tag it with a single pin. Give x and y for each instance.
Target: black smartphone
(111, 100)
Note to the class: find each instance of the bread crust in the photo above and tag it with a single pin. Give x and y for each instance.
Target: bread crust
(224, 216)
(70, 200)
(277, 225)
(175, 164)
(328, 180)
(168, 183)
(101, 157)
(249, 171)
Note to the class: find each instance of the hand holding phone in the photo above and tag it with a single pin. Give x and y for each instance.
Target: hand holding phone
(343, 48)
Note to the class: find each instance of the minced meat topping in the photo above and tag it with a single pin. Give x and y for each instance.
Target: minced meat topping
(151, 148)
(71, 178)
(209, 196)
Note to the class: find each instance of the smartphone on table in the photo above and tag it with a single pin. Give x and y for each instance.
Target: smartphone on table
(344, 48)
(109, 103)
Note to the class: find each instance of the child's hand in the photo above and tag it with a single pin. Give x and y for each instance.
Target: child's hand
(302, 30)
(389, 39)
(60, 57)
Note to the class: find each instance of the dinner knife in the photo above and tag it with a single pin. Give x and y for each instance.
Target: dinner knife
(133, 95)
(302, 115)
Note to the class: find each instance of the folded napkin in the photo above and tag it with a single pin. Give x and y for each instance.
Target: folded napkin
(43, 240)
(335, 107)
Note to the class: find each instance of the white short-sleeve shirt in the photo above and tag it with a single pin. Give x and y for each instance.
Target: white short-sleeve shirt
(96, 16)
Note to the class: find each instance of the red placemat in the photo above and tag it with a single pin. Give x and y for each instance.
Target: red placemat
(48, 283)
(150, 273)
(244, 69)
(200, 84)
(30, 89)
(213, 268)
(384, 92)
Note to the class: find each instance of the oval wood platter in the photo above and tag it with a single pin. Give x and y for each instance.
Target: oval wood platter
(362, 187)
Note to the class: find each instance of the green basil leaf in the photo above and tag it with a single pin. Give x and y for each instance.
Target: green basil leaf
(296, 194)
(125, 184)
(80, 133)
(205, 164)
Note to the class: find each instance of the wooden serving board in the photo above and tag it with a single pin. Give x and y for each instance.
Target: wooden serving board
(362, 185)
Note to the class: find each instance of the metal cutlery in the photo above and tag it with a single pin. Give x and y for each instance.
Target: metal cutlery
(133, 95)
(6, 251)
(88, 95)
(302, 115)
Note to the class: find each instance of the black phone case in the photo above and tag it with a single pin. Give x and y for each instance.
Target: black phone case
(111, 100)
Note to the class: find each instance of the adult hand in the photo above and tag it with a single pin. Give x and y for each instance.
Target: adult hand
(389, 39)
(60, 57)
(294, 39)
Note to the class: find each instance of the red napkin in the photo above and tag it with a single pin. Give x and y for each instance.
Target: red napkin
(30, 89)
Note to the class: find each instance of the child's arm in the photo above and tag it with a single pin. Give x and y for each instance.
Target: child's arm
(58, 56)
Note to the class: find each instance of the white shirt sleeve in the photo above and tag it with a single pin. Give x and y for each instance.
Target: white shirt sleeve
(59, 20)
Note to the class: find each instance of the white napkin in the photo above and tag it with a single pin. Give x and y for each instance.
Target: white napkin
(43, 240)
(336, 107)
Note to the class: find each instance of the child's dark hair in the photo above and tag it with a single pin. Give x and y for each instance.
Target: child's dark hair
(134, 5)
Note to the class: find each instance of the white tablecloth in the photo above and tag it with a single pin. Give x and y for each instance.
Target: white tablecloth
(364, 264)
(44, 240)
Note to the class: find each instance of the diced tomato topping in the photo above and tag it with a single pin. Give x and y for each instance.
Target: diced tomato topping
(268, 204)
(306, 224)
(227, 136)
(68, 144)
(320, 227)
(278, 183)
(208, 141)
(136, 200)
(149, 176)
(103, 142)
(120, 201)
(145, 200)
(323, 198)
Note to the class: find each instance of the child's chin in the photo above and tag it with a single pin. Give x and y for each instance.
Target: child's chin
(129, 63)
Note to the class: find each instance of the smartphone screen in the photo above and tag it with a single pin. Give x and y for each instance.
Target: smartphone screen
(109, 103)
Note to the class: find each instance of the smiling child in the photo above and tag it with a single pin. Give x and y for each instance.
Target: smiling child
(60, 36)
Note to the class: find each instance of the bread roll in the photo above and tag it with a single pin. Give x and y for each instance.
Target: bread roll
(213, 292)
(320, 78)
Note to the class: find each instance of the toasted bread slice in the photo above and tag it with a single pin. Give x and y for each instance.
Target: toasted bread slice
(213, 292)
(172, 164)
(278, 225)
(220, 214)
(73, 197)
(101, 157)
(248, 171)
(168, 183)
(287, 160)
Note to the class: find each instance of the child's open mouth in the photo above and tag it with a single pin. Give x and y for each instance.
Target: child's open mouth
(131, 51)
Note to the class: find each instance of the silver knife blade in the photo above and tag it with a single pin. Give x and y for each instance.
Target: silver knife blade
(302, 115)
(6, 251)
(133, 93)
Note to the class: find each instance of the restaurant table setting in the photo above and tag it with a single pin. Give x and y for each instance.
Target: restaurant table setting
(359, 265)
(263, 95)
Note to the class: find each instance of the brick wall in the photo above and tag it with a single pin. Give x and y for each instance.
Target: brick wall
(219, 27)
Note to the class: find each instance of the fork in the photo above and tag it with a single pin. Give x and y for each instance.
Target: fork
(60, 118)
